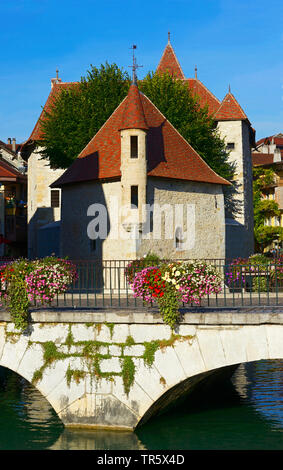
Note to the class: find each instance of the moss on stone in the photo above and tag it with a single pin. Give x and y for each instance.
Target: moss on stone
(128, 373)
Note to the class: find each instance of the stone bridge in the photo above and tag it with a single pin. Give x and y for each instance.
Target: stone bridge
(116, 369)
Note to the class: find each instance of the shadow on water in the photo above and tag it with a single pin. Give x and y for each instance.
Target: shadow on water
(235, 415)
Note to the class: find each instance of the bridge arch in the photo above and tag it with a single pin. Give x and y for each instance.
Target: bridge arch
(202, 345)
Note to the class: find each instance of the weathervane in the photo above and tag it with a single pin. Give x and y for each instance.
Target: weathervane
(134, 67)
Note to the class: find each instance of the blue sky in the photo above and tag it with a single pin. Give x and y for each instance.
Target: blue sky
(236, 42)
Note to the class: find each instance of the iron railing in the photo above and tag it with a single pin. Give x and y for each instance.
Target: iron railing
(104, 284)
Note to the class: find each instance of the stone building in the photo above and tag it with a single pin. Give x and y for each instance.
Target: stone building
(139, 187)
(13, 201)
(44, 204)
(236, 130)
(268, 153)
(233, 125)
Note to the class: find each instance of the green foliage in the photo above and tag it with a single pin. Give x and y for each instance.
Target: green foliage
(174, 99)
(80, 111)
(264, 234)
(18, 293)
(169, 306)
(150, 350)
(16, 297)
(128, 373)
(137, 265)
(129, 341)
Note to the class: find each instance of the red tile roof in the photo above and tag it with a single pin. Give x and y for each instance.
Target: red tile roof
(133, 115)
(277, 139)
(205, 97)
(169, 155)
(169, 63)
(259, 159)
(55, 90)
(8, 173)
(230, 110)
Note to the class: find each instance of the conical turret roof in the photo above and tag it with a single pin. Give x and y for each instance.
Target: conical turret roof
(133, 115)
(230, 110)
(169, 63)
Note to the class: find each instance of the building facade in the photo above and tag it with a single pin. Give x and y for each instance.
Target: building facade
(139, 187)
(234, 127)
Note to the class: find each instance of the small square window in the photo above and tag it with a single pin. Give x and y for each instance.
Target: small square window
(230, 146)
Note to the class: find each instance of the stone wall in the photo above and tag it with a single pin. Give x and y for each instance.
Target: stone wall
(239, 234)
(40, 212)
(205, 224)
(115, 369)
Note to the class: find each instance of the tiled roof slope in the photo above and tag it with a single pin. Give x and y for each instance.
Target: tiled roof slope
(230, 110)
(133, 115)
(8, 173)
(169, 63)
(206, 98)
(55, 90)
(169, 155)
(277, 139)
(259, 159)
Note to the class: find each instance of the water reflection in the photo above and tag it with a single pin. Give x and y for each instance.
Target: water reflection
(97, 440)
(244, 413)
(27, 421)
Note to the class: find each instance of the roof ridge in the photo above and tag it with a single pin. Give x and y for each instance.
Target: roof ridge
(170, 47)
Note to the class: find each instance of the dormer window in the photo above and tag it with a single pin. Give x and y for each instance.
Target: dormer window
(134, 146)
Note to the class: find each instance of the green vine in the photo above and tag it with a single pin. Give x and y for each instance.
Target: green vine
(169, 306)
(149, 353)
(90, 352)
(128, 373)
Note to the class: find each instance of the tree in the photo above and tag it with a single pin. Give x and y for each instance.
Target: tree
(263, 208)
(80, 111)
(174, 99)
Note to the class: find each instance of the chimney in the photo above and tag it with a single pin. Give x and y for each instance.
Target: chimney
(277, 155)
(14, 144)
(9, 141)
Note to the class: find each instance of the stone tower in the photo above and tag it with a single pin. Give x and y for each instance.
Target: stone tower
(133, 132)
(235, 128)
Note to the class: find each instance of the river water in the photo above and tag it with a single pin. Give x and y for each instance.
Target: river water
(245, 413)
